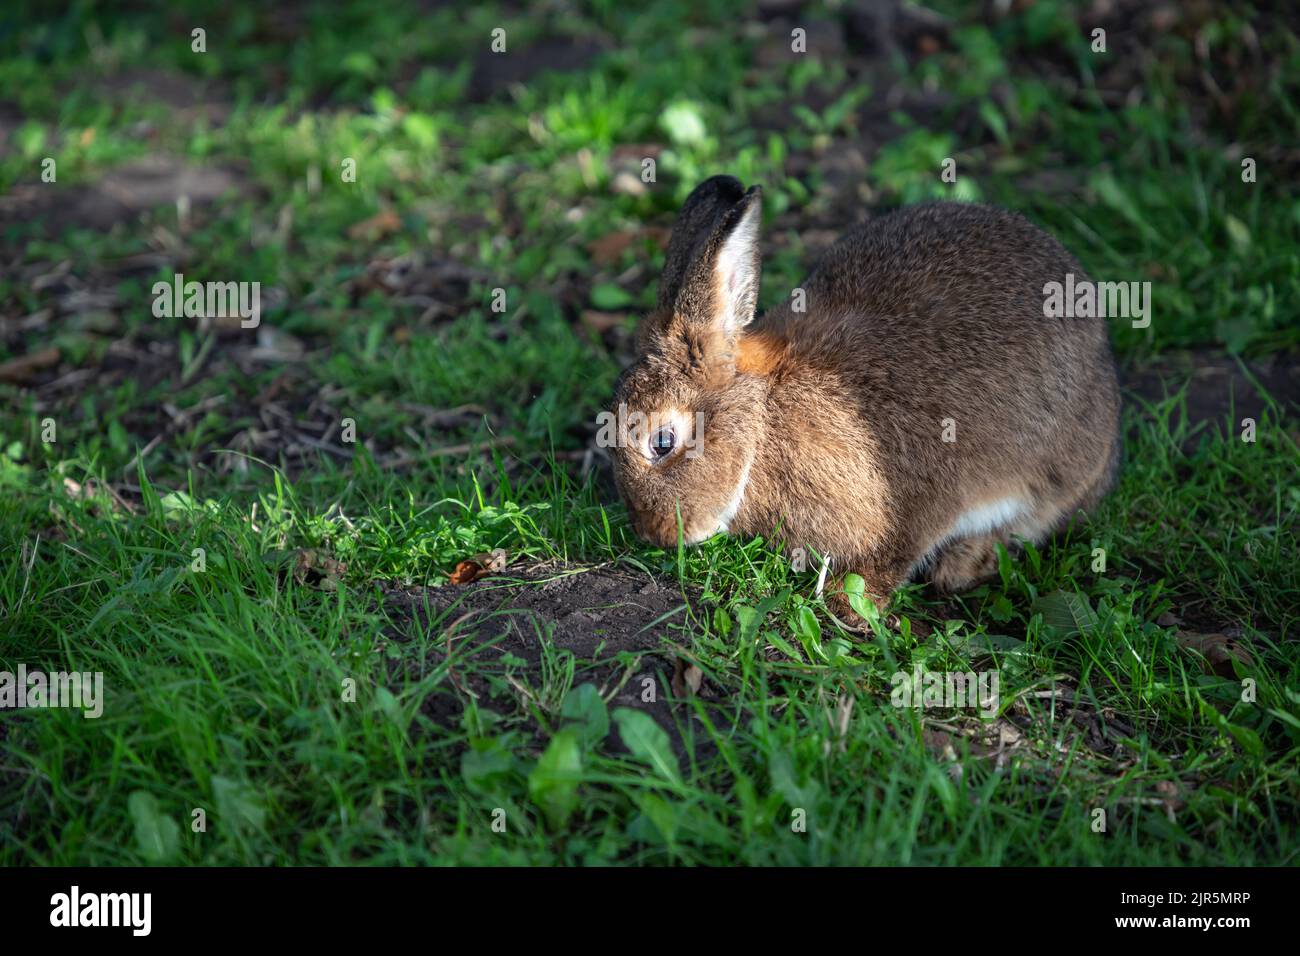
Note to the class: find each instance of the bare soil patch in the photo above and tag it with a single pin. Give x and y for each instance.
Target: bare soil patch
(1218, 383)
(622, 627)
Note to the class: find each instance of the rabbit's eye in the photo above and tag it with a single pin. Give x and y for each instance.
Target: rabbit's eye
(662, 442)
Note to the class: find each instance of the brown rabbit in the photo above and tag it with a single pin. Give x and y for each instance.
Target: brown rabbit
(919, 410)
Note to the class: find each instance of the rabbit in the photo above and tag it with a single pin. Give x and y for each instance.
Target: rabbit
(920, 409)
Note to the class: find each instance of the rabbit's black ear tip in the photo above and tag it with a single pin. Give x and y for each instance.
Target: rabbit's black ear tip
(726, 188)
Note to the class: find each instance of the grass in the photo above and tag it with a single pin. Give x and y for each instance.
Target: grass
(227, 688)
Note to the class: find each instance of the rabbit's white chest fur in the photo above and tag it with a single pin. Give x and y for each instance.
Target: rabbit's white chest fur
(737, 498)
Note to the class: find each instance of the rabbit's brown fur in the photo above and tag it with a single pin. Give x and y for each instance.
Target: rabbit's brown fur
(829, 424)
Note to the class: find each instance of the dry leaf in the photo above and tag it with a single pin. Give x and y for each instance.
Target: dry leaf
(478, 566)
(19, 370)
(686, 678)
(1218, 650)
(312, 567)
(383, 223)
(693, 677)
(607, 249)
(465, 572)
(602, 321)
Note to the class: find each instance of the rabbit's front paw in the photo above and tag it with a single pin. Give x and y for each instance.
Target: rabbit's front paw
(879, 592)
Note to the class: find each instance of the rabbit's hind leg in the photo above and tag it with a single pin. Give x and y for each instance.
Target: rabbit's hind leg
(967, 562)
(972, 558)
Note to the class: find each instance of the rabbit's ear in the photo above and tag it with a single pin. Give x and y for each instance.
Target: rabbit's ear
(704, 208)
(719, 292)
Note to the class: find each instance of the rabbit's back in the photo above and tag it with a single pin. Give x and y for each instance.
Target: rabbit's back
(938, 309)
(970, 269)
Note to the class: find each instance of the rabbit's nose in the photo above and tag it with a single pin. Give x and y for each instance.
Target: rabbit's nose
(648, 530)
(644, 527)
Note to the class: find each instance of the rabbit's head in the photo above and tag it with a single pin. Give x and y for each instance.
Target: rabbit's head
(688, 421)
